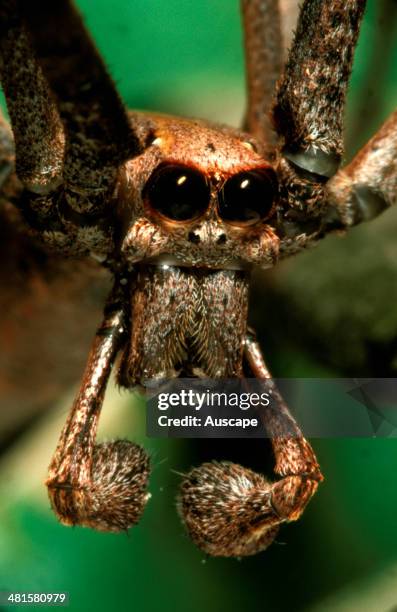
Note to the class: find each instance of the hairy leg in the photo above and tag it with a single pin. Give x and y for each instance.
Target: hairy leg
(99, 135)
(61, 297)
(311, 94)
(368, 185)
(102, 486)
(294, 455)
(37, 128)
(308, 116)
(71, 131)
(358, 192)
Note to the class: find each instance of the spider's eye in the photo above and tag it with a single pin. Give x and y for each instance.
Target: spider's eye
(248, 197)
(177, 192)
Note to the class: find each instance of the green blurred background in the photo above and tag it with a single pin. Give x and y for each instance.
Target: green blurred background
(331, 312)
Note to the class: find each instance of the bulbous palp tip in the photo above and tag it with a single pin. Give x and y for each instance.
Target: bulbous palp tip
(115, 497)
(227, 509)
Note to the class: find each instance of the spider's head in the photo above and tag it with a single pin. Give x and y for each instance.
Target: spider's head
(199, 196)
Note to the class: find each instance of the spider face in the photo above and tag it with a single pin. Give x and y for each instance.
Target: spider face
(199, 196)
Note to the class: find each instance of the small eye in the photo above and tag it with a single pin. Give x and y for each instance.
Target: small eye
(177, 192)
(248, 197)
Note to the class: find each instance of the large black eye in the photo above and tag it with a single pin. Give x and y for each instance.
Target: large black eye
(177, 192)
(248, 197)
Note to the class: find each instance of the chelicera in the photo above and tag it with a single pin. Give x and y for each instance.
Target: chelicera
(180, 211)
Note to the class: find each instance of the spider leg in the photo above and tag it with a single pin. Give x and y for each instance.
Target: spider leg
(263, 55)
(71, 131)
(308, 117)
(99, 134)
(231, 511)
(294, 456)
(310, 98)
(356, 193)
(60, 294)
(368, 185)
(102, 486)
(35, 120)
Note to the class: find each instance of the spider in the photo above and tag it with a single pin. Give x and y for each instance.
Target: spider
(179, 211)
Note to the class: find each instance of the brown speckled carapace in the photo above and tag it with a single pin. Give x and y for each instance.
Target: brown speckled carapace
(179, 211)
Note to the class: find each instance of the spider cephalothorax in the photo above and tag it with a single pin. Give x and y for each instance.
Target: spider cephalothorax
(180, 211)
(198, 209)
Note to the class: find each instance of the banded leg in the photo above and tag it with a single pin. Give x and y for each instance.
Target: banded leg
(263, 55)
(229, 510)
(102, 486)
